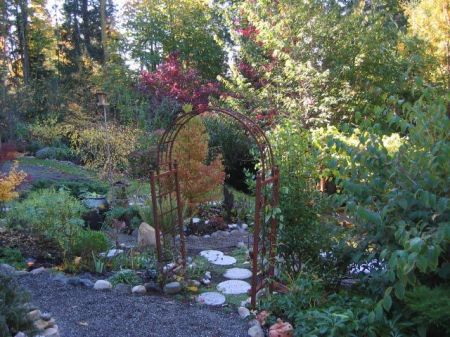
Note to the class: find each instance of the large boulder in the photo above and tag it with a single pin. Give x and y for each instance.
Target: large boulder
(146, 236)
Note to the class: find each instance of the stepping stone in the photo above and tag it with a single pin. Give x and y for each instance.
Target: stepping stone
(211, 298)
(211, 255)
(224, 260)
(237, 274)
(234, 287)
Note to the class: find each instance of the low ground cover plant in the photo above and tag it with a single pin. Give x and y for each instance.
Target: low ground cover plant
(12, 308)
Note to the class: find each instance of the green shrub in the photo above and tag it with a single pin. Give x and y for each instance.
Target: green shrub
(430, 307)
(400, 207)
(12, 309)
(315, 312)
(89, 242)
(55, 214)
(125, 276)
(130, 215)
(302, 236)
(13, 257)
(57, 153)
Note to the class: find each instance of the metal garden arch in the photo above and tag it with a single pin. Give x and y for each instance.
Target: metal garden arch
(167, 203)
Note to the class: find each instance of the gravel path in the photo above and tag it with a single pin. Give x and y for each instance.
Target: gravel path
(83, 312)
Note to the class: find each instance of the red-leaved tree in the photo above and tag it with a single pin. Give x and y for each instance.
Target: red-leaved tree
(182, 84)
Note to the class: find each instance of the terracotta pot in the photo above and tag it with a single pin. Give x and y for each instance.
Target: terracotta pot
(281, 329)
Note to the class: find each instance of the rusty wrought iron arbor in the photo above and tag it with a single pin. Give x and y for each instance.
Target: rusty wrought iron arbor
(167, 202)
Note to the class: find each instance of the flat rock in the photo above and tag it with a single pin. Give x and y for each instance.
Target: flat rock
(74, 281)
(237, 274)
(139, 290)
(211, 255)
(20, 334)
(34, 315)
(87, 283)
(243, 312)
(114, 252)
(152, 287)
(51, 332)
(40, 324)
(38, 270)
(225, 260)
(211, 298)
(233, 287)
(46, 316)
(241, 244)
(102, 285)
(61, 278)
(256, 331)
(6, 269)
(172, 288)
(122, 288)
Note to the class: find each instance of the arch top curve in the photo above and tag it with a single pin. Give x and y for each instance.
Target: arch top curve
(166, 143)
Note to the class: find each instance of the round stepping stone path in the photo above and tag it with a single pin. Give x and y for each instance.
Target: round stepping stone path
(211, 255)
(234, 287)
(211, 298)
(237, 274)
(224, 260)
(217, 257)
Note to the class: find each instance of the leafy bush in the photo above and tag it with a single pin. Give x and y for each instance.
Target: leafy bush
(130, 215)
(125, 276)
(55, 214)
(430, 307)
(89, 242)
(316, 312)
(13, 257)
(400, 205)
(302, 236)
(47, 133)
(57, 153)
(94, 143)
(12, 308)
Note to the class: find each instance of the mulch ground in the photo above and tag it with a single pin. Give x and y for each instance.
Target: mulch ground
(45, 251)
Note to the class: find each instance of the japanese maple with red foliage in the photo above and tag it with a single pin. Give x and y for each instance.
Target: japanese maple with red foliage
(184, 85)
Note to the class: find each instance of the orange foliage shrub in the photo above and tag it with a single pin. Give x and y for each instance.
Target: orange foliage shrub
(199, 182)
(9, 183)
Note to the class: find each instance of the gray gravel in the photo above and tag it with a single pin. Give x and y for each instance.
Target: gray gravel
(83, 312)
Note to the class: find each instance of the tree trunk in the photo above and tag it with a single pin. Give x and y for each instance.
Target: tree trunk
(103, 28)
(4, 68)
(23, 40)
(85, 25)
